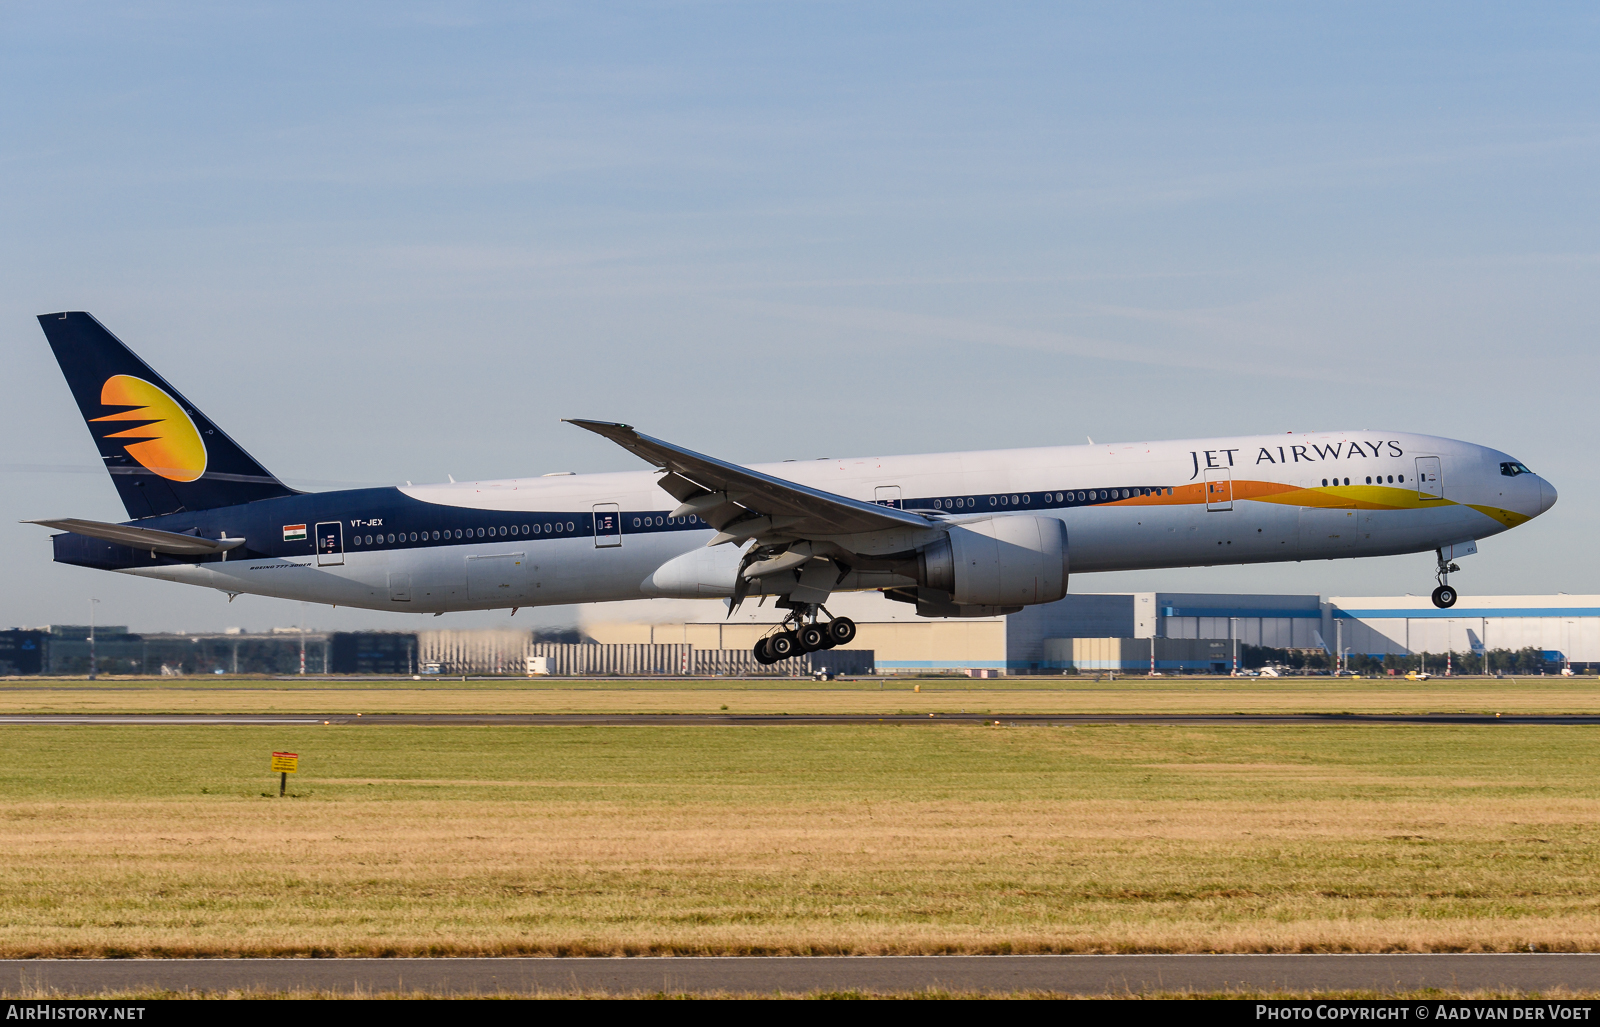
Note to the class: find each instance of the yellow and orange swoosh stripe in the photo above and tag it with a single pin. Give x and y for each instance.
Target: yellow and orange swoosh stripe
(170, 444)
(1335, 497)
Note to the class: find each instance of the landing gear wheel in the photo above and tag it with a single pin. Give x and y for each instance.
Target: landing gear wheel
(1444, 597)
(783, 646)
(812, 638)
(763, 655)
(842, 630)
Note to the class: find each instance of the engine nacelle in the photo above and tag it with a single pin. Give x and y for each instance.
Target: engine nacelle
(999, 562)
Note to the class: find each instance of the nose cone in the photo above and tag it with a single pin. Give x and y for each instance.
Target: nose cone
(1547, 496)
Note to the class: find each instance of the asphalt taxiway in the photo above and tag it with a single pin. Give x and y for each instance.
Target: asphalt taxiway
(1062, 974)
(787, 719)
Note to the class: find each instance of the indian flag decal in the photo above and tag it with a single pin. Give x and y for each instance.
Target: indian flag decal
(294, 532)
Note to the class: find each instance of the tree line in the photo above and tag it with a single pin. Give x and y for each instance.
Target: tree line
(1526, 661)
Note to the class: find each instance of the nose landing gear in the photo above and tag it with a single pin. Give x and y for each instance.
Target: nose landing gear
(804, 633)
(1444, 596)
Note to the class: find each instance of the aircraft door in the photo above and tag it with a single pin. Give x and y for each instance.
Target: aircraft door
(497, 579)
(887, 495)
(607, 526)
(1430, 481)
(1219, 488)
(330, 544)
(1328, 531)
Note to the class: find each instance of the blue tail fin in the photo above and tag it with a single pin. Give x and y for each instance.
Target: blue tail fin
(164, 455)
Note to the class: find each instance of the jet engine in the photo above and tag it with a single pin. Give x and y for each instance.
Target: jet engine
(1000, 562)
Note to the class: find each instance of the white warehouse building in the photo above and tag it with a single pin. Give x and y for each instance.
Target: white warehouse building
(1565, 627)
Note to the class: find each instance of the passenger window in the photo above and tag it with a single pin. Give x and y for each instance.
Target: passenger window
(357, 540)
(1369, 479)
(1402, 479)
(636, 522)
(513, 529)
(524, 529)
(571, 526)
(547, 529)
(369, 540)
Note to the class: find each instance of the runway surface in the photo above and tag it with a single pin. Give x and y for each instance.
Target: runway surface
(785, 719)
(1081, 975)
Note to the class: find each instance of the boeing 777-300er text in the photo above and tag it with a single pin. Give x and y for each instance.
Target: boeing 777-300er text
(956, 534)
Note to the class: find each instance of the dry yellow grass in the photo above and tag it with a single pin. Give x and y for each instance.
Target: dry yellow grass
(798, 840)
(1047, 695)
(1429, 994)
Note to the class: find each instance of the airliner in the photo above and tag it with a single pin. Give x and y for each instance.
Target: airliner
(971, 534)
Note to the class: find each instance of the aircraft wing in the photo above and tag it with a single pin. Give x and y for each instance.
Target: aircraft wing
(153, 539)
(742, 503)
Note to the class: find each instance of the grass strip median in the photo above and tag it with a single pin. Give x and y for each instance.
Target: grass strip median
(799, 840)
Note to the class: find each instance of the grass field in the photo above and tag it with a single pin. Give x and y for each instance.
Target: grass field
(575, 840)
(873, 695)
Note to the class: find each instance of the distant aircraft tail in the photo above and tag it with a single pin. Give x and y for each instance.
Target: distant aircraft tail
(164, 455)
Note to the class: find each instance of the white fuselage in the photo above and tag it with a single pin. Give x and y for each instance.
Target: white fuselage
(1125, 507)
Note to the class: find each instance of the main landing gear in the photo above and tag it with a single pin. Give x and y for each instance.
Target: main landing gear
(803, 633)
(1444, 596)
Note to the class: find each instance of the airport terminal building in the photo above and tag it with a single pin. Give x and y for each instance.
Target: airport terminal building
(1131, 632)
(1183, 631)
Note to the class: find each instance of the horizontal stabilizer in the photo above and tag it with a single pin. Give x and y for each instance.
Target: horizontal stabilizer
(169, 542)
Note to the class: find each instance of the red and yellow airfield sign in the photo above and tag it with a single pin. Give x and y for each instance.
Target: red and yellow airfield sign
(285, 762)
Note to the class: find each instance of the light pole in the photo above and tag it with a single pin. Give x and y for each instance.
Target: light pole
(92, 604)
(1233, 641)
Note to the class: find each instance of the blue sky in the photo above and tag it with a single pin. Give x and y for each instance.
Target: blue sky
(398, 241)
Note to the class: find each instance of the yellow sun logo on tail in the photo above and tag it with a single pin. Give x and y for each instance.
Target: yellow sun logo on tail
(171, 445)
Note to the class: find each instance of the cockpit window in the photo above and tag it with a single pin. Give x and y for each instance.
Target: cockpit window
(1512, 469)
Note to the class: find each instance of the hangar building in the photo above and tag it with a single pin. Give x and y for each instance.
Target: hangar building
(1564, 627)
